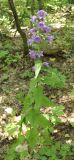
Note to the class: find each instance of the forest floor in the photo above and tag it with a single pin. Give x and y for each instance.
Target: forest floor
(15, 80)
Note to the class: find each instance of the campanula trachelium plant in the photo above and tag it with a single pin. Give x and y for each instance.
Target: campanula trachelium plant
(40, 35)
(38, 124)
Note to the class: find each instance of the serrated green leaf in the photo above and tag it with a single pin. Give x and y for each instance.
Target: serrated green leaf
(58, 110)
(38, 96)
(11, 154)
(54, 79)
(40, 99)
(36, 119)
(23, 155)
(32, 137)
(33, 85)
(10, 128)
(43, 122)
(20, 139)
(46, 102)
(3, 54)
(33, 117)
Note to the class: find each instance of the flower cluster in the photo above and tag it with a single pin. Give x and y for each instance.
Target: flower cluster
(36, 39)
(40, 14)
(33, 19)
(34, 54)
(39, 33)
(43, 27)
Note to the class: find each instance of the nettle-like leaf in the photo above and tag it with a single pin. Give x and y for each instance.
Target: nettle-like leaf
(54, 79)
(58, 110)
(36, 119)
(55, 120)
(28, 101)
(33, 117)
(40, 99)
(46, 102)
(64, 150)
(35, 46)
(20, 139)
(11, 154)
(33, 84)
(3, 54)
(44, 45)
(32, 137)
(10, 128)
(43, 122)
(23, 154)
(44, 151)
(46, 137)
(50, 152)
(38, 96)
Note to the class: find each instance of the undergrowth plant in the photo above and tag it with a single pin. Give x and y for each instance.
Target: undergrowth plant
(39, 114)
(7, 58)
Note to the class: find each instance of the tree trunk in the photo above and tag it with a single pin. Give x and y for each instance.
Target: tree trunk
(27, 3)
(41, 4)
(32, 7)
(23, 35)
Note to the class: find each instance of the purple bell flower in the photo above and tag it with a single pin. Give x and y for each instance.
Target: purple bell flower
(40, 54)
(33, 30)
(50, 38)
(33, 18)
(41, 25)
(36, 39)
(41, 14)
(46, 28)
(30, 41)
(32, 54)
